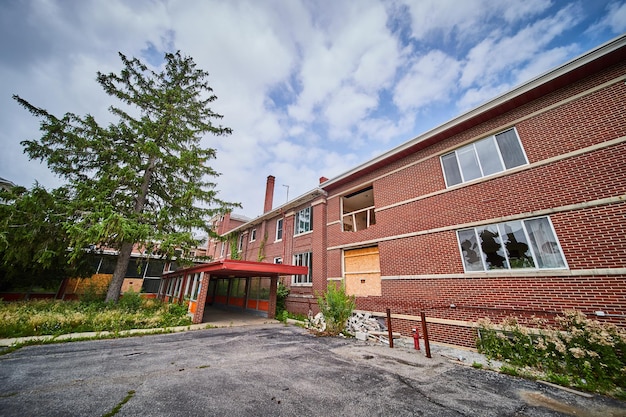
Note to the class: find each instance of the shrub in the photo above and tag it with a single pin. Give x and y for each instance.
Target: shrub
(53, 317)
(282, 292)
(131, 301)
(577, 351)
(336, 307)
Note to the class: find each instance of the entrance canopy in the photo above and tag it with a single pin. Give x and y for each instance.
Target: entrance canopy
(231, 268)
(242, 284)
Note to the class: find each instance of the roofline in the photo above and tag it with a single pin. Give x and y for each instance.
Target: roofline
(522, 90)
(309, 195)
(228, 267)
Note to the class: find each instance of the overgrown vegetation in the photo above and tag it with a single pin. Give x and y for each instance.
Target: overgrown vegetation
(336, 306)
(54, 317)
(282, 292)
(576, 351)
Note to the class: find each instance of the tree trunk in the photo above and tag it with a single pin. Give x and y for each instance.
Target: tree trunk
(115, 287)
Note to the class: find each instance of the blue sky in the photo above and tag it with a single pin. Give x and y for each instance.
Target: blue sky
(310, 88)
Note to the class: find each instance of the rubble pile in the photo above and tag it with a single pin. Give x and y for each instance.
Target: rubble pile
(364, 323)
(316, 322)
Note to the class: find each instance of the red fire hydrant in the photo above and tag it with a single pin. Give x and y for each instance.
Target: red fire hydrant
(416, 339)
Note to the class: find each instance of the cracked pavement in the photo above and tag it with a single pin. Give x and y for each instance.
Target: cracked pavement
(264, 370)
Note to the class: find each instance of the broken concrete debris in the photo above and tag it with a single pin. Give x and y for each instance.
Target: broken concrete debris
(363, 326)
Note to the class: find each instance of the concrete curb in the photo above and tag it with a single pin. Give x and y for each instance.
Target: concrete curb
(104, 334)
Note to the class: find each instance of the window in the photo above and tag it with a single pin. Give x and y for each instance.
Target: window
(222, 250)
(240, 243)
(279, 229)
(512, 245)
(302, 259)
(482, 158)
(304, 221)
(358, 210)
(253, 235)
(278, 260)
(197, 284)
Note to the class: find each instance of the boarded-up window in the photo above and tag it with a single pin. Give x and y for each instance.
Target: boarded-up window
(362, 271)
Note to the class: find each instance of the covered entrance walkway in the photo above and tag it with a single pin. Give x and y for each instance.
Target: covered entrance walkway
(231, 284)
(220, 317)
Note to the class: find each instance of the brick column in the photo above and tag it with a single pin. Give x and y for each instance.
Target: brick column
(318, 245)
(204, 287)
(271, 312)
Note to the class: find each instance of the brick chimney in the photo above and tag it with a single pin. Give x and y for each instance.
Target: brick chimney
(269, 194)
(323, 179)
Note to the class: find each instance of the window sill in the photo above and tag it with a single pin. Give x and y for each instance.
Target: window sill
(302, 284)
(303, 233)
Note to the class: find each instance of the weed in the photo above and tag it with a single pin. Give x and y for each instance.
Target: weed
(336, 306)
(54, 317)
(509, 370)
(477, 365)
(118, 407)
(575, 351)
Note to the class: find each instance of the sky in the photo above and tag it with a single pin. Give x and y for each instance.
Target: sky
(311, 88)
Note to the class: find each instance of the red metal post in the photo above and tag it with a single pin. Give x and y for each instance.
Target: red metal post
(425, 331)
(389, 328)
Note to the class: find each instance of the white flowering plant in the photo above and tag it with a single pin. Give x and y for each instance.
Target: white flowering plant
(571, 350)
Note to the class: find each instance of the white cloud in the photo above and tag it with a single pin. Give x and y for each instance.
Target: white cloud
(492, 58)
(466, 20)
(351, 46)
(431, 78)
(346, 107)
(614, 20)
(308, 86)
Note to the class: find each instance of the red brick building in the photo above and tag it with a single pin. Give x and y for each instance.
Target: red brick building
(517, 207)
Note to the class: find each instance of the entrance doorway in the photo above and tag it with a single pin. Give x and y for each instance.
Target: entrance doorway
(251, 294)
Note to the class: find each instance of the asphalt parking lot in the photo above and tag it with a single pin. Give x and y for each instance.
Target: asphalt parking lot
(266, 370)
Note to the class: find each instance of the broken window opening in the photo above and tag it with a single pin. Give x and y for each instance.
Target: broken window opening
(358, 210)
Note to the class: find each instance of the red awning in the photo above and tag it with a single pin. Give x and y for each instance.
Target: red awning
(235, 268)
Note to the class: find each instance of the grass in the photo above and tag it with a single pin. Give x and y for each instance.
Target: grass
(54, 317)
(118, 407)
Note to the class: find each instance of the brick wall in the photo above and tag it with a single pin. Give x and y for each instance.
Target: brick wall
(411, 198)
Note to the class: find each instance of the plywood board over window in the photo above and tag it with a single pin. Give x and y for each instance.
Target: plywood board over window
(362, 271)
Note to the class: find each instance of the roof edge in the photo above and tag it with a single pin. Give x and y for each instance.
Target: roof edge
(532, 84)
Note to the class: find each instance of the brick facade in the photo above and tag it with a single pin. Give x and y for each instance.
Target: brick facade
(571, 124)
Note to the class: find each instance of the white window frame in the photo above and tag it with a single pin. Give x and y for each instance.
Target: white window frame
(252, 235)
(240, 243)
(303, 259)
(309, 224)
(279, 229)
(187, 287)
(531, 249)
(223, 249)
(194, 286)
(278, 260)
(472, 148)
(349, 220)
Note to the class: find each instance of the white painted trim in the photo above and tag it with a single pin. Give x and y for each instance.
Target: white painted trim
(485, 134)
(515, 170)
(536, 82)
(518, 273)
(308, 296)
(520, 216)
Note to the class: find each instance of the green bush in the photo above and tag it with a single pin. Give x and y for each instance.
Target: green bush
(576, 351)
(336, 307)
(282, 292)
(131, 301)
